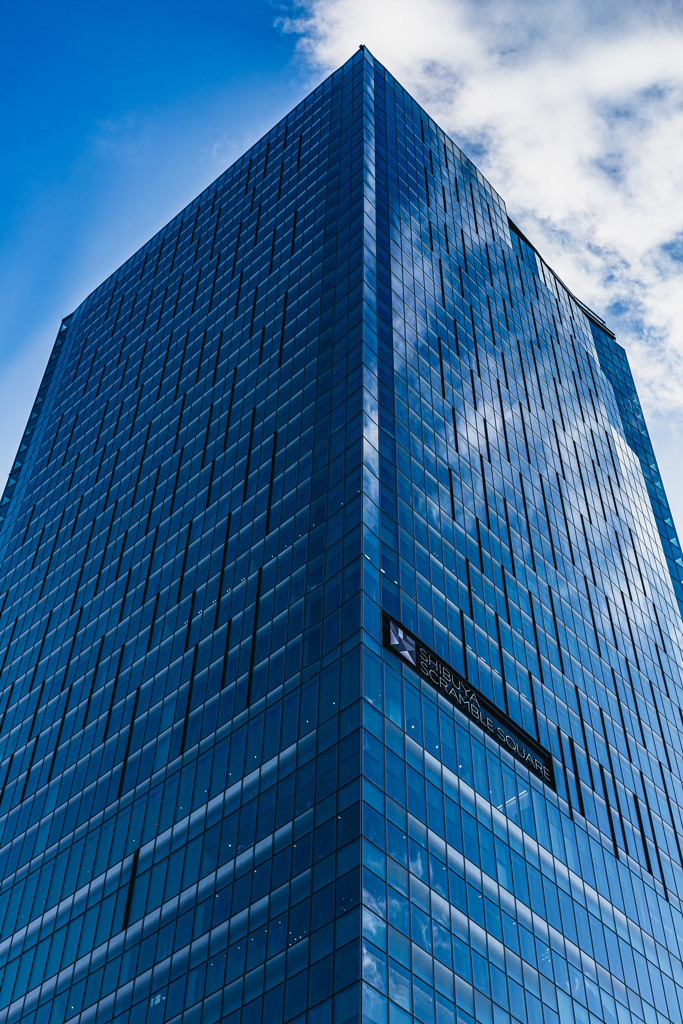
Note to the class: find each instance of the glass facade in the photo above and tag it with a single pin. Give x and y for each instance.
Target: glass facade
(340, 637)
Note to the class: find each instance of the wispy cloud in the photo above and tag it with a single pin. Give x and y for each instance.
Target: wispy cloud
(574, 110)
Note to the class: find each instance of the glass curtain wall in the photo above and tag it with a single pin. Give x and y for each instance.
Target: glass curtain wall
(340, 637)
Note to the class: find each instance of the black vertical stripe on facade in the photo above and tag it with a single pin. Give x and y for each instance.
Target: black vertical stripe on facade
(231, 394)
(190, 616)
(482, 470)
(488, 445)
(253, 313)
(113, 292)
(452, 494)
(272, 250)
(455, 430)
(34, 743)
(270, 483)
(201, 358)
(464, 256)
(194, 228)
(643, 835)
(577, 776)
(249, 452)
(282, 329)
(219, 345)
(651, 836)
(7, 771)
(228, 638)
(128, 742)
(239, 291)
(215, 278)
(190, 688)
(237, 247)
(474, 209)
(252, 652)
(131, 887)
(215, 230)
(441, 369)
(476, 354)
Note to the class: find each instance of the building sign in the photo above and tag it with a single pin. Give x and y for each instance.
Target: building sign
(471, 702)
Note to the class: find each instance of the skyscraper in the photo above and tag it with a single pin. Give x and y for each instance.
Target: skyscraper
(340, 618)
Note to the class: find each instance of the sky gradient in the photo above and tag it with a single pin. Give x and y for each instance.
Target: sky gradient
(116, 115)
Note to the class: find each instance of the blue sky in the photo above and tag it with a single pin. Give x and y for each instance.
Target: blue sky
(114, 116)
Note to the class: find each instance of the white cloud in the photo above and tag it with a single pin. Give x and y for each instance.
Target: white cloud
(574, 111)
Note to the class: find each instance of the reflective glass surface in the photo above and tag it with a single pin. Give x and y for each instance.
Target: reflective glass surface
(340, 637)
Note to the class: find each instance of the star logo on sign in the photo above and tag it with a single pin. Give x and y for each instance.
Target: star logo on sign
(403, 645)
